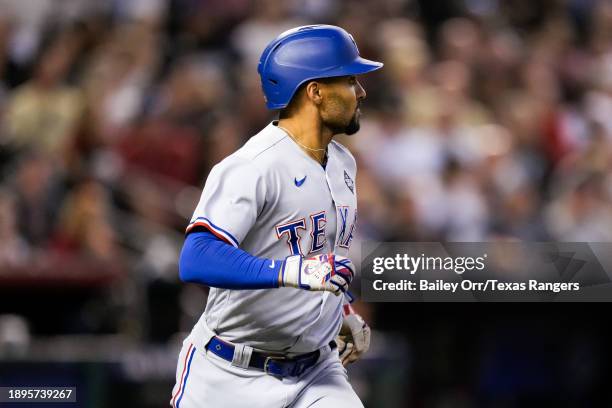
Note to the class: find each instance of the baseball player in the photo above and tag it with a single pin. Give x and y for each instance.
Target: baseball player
(270, 236)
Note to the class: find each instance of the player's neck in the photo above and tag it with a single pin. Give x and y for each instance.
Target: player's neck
(311, 137)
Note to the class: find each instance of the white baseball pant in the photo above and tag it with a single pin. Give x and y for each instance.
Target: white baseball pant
(205, 380)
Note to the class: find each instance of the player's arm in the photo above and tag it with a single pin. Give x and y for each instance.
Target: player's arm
(209, 260)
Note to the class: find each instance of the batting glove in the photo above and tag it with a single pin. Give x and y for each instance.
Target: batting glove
(354, 338)
(329, 272)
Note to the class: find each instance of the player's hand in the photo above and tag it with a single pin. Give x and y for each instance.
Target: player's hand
(354, 338)
(329, 272)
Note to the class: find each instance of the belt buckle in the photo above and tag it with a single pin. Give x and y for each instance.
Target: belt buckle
(272, 358)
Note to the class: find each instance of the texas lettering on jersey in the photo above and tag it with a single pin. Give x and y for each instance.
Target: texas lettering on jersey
(294, 231)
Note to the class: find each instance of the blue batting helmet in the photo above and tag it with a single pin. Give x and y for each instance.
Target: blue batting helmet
(306, 53)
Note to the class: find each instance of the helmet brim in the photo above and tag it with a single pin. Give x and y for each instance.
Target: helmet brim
(357, 67)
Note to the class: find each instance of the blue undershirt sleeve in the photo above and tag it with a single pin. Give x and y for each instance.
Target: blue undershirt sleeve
(211, 261)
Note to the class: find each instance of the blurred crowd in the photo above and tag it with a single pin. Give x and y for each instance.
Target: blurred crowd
(490, 120)
(498, 129)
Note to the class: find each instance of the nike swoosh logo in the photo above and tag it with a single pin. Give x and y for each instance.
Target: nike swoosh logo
(271, 266)
(299, 182)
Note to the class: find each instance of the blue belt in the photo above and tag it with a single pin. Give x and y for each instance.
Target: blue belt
(272, 364)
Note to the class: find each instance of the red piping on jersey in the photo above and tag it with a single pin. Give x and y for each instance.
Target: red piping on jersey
(210, 229)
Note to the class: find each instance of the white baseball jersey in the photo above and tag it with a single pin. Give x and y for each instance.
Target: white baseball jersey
(273, 200)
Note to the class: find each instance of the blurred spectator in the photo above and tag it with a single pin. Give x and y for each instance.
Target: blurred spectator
(118, 76)
(163, 148)
(583, 213)
(14, 250)
(85, 224)
(268, 19)
(38, 195)
(44, 111)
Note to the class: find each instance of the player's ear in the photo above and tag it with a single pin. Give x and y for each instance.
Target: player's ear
(313, 91)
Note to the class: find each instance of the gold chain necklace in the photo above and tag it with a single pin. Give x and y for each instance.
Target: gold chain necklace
(296, 141)
(314, 156)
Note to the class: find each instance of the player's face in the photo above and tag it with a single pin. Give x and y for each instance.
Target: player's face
(340, 108)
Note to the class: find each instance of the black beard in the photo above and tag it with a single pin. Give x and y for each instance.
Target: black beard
(353, 126)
